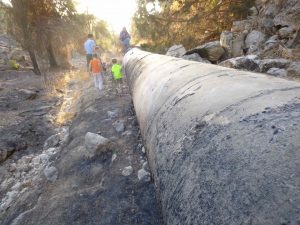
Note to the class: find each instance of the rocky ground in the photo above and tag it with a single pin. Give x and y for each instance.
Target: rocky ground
(71, 154)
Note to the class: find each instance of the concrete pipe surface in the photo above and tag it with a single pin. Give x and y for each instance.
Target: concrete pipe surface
(223, 145)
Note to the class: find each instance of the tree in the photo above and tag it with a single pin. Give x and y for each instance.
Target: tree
(189, 22)
(37, 24)
(21, 13)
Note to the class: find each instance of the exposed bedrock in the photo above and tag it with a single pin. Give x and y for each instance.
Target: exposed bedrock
(223, 144)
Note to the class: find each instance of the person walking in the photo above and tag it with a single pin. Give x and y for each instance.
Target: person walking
(116, 71)
(95, 68)
(125, 39)
(89, 46)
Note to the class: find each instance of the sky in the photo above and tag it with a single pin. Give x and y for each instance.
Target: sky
(117, 13)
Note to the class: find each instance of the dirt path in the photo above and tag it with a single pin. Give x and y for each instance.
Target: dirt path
(83, 188)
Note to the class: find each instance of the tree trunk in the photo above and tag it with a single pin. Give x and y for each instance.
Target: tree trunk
(51, 56)
(36, 68)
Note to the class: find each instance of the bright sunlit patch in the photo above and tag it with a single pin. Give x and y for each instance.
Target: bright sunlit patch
(117, 13)
(153, 7)
(68, 109)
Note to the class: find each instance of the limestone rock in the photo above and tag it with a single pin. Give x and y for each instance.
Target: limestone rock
(288, 15)
(255, 38)
(212, 51)
(226, 39)
(244, 63)
(286, 32)
(176, 51)
(266, 64)
(233, 43)
(95, 142)
(195, 57)
(143, 175)
(272, 41)
(127, 171)
(51, 173)
(277, 72)
(294, 69)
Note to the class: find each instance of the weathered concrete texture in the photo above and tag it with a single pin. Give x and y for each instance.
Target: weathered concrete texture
(223, 144)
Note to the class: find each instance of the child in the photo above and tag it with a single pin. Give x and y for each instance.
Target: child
(96, 69)
(117, 75)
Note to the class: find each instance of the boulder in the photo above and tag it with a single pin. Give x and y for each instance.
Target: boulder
(255, 39)
(244, 63)
(233, 43)
(95, 142)
(176, 51)
(277, 72)
(294, 69)
(266, 64)
(212, 51)
(286, 32)
(195, 57)
(272, 41)
(226, 40)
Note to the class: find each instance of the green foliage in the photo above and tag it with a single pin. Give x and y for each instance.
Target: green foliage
(13, 64)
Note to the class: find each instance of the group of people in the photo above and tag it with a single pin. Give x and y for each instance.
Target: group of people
(96, 67)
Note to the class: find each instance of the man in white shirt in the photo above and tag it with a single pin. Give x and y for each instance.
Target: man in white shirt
(89, 46)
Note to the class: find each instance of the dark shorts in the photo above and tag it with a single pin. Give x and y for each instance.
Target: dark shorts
(89, 57)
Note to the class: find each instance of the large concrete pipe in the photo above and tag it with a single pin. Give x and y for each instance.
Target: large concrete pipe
(223, 145)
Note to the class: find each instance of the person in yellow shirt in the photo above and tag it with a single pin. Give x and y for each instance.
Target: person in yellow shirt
(116, 71)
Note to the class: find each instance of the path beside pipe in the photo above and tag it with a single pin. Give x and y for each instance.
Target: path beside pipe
(223, 144)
